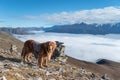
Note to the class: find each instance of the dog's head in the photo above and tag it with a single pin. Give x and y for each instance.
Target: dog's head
(48, 47)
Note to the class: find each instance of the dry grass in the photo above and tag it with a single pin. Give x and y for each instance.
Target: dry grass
(6, 40)
(70, 70)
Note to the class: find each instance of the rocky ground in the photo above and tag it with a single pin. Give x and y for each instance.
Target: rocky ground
(6, 40)
(62, 68)
(11, 68)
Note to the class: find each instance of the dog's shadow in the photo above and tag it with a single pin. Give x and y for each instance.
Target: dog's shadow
(10, 59)
(2, 58)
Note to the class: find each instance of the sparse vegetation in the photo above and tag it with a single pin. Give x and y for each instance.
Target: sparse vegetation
(11, 67)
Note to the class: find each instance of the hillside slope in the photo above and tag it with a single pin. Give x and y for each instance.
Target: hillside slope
(102, 67)
(11, 67)
(7, 39)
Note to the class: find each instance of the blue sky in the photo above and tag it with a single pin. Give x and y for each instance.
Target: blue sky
(30, 13)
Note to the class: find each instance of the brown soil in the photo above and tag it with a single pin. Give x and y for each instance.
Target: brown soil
(107, 67)
(6, 40)
(104, 67)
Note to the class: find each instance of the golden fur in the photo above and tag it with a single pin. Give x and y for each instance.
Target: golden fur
(27, 50)
(44, 52)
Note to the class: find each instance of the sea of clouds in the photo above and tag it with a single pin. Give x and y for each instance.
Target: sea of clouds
(83, 46)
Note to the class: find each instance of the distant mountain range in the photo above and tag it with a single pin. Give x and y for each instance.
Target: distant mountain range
(20, 30)
(84, 28)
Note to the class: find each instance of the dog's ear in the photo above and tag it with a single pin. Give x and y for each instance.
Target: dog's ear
(48, 47)
(52, 46)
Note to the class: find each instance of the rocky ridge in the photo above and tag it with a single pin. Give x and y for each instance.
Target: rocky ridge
(11, 68)
(60, 67)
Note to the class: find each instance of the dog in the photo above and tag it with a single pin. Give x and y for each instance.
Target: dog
(28, 50)
(46, 51)
(41, 51)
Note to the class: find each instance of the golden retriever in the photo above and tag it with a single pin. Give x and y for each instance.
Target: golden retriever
(41, 51)
(45, 53)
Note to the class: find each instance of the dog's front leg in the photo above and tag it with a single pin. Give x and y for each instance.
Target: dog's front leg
(40, 61)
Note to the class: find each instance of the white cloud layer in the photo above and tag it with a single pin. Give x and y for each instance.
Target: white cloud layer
(83, 47)
(100, 16)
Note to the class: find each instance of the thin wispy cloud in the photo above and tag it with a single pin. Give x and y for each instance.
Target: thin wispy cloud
(30, 17)
(1, 21)
(103, 15)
